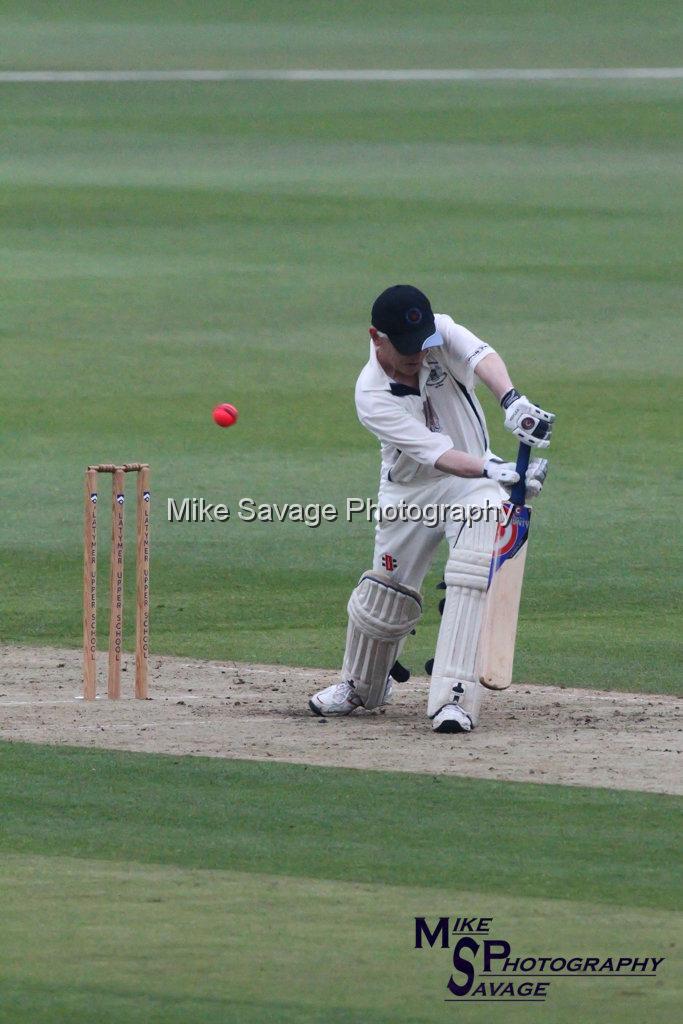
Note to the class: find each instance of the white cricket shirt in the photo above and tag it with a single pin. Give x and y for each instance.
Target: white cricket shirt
(415, 426)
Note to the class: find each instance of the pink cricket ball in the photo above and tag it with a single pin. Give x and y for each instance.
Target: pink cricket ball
(225, 414)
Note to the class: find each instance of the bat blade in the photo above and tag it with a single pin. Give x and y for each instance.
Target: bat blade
(496, 652)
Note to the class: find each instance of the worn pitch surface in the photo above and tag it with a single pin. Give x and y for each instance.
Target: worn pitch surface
(227, 709)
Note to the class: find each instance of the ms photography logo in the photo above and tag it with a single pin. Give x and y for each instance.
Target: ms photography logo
(486, 970)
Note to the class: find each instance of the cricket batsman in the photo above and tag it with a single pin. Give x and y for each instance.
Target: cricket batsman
(416, 395)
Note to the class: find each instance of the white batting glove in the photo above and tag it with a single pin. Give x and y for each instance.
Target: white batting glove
(507, 476)
(503, 473)
(535, 477)
(527, 421)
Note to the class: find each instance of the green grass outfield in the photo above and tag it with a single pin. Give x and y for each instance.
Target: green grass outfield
(170, 889)
(169, 246)
(165, 247)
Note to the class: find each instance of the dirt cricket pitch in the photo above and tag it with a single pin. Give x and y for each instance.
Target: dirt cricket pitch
(526, 734)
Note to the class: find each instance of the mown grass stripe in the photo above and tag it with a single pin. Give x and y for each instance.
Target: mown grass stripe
(390, 828)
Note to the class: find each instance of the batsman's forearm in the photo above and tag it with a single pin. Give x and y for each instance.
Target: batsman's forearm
(460, 463)
(493, 372)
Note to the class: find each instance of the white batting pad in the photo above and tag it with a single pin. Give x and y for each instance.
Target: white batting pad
(381, 614)
(466, 576)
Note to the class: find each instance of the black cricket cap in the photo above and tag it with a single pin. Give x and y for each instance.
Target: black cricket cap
(404, 314)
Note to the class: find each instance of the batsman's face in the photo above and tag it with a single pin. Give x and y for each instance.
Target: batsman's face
(388, 356)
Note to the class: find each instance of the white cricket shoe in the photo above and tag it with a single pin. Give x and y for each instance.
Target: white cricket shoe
(338, 699)
(452, 718)
(341, 699)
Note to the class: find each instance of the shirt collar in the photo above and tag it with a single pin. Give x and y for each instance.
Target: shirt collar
(383, 377)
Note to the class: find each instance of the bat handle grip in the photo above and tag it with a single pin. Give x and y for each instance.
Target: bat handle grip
(518, 492)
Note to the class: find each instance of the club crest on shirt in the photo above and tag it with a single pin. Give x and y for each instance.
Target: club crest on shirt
(389, 562)
(437, 374)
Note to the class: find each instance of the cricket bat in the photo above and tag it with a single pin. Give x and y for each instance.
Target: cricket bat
(496, 650)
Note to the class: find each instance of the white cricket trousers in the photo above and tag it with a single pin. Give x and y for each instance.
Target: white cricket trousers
(406, 549)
